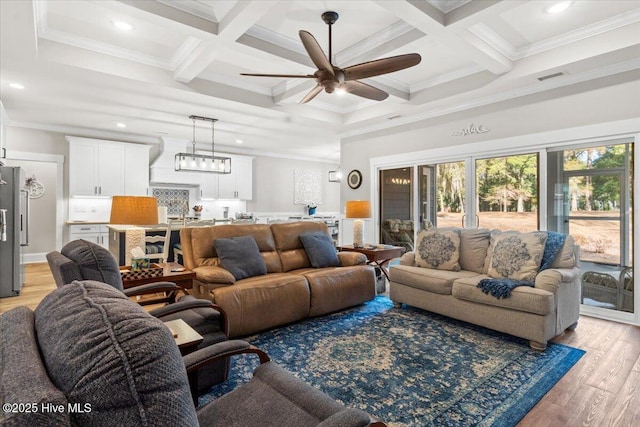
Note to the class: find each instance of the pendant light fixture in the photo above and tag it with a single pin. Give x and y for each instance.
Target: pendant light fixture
(192, 162)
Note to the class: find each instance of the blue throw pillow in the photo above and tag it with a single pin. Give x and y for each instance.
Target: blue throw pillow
(320, 250)
(240, 256)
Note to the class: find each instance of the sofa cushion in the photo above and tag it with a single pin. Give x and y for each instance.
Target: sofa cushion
(262, 302)
(102, 349)
(428, 279)
(240, 256)
(516, 255)
(199, 249)
(289, 245)
(566, 258)
(438, 249)
(336, 288)
(320, 249)
(474, 243)
(522, 298)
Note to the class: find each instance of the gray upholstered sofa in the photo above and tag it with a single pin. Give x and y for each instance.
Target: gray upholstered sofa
(536, 313)
(88, 356)
(292, 288)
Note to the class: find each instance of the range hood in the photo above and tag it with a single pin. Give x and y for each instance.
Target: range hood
(162, 170)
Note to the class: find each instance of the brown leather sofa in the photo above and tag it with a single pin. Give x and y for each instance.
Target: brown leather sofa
(290, 291)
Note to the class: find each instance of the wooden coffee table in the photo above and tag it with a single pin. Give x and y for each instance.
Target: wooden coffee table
(184, 279)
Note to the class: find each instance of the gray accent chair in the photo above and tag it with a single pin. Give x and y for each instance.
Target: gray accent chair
(84, 260)
(100, 357)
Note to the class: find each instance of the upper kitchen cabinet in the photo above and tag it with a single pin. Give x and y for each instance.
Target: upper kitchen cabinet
(100, 168)
(209, 185)
(136, 169)
(239, 183)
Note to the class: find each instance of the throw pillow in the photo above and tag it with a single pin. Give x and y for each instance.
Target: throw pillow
(319, 249)
(516, 255)
(240, 256)
(438, 249)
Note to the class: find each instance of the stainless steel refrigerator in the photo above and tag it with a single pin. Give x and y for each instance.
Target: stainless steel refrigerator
(14, 229)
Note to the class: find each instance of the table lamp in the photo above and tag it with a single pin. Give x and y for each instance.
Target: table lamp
(358, 210)
(134, 210)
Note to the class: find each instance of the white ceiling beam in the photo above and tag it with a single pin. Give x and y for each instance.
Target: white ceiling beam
(434, 23)
(241, 17)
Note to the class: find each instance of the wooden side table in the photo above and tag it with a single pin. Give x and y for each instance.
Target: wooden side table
(186, 337)
(376, 257)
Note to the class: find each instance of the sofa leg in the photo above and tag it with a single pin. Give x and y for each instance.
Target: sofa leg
(573, 327)
(397, 304)
(538, 345)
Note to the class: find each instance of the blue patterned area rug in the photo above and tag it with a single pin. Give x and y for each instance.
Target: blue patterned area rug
(408, 367)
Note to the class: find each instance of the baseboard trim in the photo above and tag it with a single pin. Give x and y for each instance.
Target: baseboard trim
(34, 258)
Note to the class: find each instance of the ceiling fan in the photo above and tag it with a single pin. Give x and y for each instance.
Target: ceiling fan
(330, 77)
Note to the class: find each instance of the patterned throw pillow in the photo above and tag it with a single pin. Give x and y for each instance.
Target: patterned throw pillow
(438, 249)
(516, 255)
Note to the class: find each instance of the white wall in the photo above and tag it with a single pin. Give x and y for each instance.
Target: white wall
(273, 186)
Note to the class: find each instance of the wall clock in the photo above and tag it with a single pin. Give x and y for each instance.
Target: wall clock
(354, 179)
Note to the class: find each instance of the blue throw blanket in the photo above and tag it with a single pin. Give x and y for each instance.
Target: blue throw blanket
(501, 288)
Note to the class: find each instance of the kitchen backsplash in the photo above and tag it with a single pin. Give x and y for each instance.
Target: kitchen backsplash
(176, 201)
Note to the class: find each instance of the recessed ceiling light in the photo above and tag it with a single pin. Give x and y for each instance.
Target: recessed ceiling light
(121, 25)
(121, 125)
(557, 7)
(16, 85)
(239, 141)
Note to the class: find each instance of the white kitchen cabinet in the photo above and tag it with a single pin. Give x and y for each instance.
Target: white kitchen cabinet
(239, 183)
(96, 233)
(96, 168)
(136, 169)
(209, 185)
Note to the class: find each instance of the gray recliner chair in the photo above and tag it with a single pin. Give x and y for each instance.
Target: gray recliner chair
(100, 357)
(84, 260)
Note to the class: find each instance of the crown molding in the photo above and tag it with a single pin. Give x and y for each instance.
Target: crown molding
(276, 39)
(566, 80)
(486, 34)
(196, 8)
(86, 133)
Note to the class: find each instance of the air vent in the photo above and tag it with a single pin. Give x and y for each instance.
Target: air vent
(397, 116)
(551, 76)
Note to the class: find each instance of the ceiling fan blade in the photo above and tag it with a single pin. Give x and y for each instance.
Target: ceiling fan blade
(315, 51)
(312, 94)
(364, 90)
(289, 76)
(381, 66)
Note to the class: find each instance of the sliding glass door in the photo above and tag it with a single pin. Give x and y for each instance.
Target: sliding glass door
(396, 207)
(593, 202)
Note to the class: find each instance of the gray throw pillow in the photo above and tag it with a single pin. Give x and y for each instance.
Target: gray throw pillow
(320, 250)
(240, 256)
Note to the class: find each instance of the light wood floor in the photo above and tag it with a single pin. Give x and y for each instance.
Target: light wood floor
(602, 389)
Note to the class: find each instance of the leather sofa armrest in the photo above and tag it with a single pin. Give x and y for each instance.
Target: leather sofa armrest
(209, 274)
(409, 258)
(351, 258)
(552, 278)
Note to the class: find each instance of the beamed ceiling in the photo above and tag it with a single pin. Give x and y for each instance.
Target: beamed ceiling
(82, 75)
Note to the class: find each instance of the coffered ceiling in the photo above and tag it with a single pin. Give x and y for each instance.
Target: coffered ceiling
(82, 75)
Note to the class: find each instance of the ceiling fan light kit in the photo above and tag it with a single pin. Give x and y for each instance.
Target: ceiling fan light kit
(332, 78)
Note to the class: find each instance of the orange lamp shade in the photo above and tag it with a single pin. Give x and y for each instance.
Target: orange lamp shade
(134, 210)
(358, 209)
